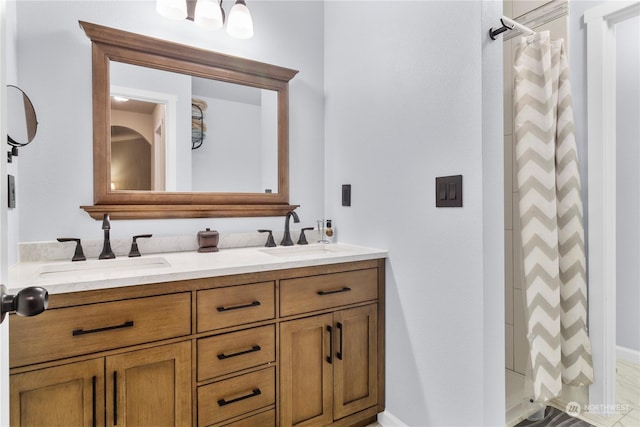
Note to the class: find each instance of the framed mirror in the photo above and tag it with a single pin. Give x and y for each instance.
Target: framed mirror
(182, 132)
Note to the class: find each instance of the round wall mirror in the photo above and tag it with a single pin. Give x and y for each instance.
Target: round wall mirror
(22, 121)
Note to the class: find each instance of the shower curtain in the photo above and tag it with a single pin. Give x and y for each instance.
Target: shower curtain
(551, 222)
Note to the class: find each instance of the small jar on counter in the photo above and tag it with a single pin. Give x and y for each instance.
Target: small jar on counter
(208, 240)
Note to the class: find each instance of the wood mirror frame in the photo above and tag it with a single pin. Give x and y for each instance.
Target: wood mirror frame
(109, 44)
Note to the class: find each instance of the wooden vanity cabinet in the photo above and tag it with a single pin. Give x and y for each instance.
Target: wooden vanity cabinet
(66, 395)
(118, 386)
(149, 387)
(329, 362)
(295, 347)
(236, 370)
(321, 381)
(146, 387)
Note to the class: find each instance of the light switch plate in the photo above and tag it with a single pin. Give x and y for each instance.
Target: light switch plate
(449, 191)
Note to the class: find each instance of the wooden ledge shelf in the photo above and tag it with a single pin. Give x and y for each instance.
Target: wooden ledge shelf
(186, 211)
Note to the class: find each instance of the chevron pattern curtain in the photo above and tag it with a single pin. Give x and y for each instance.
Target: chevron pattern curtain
(551, 218)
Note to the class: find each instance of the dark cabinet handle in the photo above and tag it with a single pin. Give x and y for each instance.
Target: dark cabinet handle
(255, 392)
(115, 398)
(93, 402)
(236, 307)
(339, 353)
(330, 357)
(127, 324)
(335, 291)
(253, 349)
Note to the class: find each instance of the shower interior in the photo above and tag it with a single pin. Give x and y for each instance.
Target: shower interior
(539, 16)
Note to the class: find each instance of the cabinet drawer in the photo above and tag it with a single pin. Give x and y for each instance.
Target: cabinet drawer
(73, 331)
(235, 305)
(312, 293)
(229, 398)
(233, 352)
(263, 419)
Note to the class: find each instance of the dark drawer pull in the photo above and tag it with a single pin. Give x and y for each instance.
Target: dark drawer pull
(236, 307)
(330, 356)
(93, 401)
(223, 356)
(339, 353)
(127, 324)
(335, 291)
(255, 392)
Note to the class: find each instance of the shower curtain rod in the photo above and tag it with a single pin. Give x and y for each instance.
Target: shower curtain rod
(509, 24)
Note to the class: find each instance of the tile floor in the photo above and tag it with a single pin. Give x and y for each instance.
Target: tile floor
(627, 395)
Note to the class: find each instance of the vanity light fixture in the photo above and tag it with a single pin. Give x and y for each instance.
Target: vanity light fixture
(210, 14)
(240, 24)
(172, 9)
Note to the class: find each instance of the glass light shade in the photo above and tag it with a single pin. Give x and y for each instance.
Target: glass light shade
(240, 24)
(208, 14)
(172, 9)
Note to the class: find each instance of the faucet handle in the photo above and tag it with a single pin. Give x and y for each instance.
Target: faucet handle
(79, 254)
(302, 240)
(270, 242)
(135, 252)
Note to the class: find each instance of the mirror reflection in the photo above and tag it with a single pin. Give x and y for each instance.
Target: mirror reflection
(203, 135)
(21, 117)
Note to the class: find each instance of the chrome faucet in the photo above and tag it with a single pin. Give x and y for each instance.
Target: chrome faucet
(106, 253)
(286, 239)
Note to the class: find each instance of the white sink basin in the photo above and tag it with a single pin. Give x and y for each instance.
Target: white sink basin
(103, 266)
(301, 250)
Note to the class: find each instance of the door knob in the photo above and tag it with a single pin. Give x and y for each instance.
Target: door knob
(27, 302)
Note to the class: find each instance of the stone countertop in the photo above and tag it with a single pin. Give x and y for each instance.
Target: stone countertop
(65, 276)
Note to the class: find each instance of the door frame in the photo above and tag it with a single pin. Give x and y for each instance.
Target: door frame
(601, 133)
(4, 327)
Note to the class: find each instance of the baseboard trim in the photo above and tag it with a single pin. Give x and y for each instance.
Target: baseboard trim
(623, 353)
(388, 420)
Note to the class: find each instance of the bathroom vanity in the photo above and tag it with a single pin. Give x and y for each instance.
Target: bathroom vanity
(243, 337)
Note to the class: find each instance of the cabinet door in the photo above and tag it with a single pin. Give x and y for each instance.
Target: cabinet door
(150, 387)
(355, 371)
(68, 395)
(305, 371)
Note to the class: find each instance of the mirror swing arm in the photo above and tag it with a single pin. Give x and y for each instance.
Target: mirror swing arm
(109, 44)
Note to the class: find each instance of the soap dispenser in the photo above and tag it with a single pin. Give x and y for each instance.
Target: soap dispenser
(330, 231)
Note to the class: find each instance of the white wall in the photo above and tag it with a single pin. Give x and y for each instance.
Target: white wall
(10, 63)
(54, 65)
(405, 87)
(628, 184)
